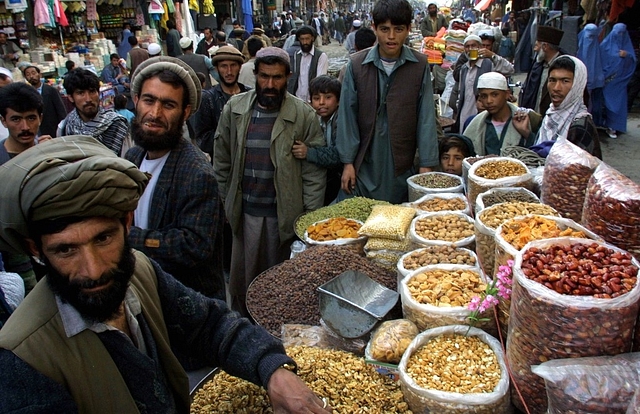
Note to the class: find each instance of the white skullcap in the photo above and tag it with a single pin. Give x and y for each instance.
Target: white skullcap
(493, 80)
(185, 42)
(356, 23)
(154, 49)
(6, 72)
(470, 38)
(486, 32)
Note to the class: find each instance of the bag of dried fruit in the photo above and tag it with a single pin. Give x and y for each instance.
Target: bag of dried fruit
(389, 341)
(439, 295)
(604, 384)
(498, 172)
(512, 235)
(433, 182)
(566, 175)
(571, 298)
(455, 369)
(612, 209)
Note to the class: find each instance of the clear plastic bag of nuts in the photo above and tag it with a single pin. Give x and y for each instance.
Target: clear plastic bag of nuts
(545, 324)
(426, 400)
(445, 311)
(498, 172)
(566, 175)
(431, 203)
(416, 190)
(612, 209)
(444, 228)
(434, 255)
(593, 385)
(505, 251)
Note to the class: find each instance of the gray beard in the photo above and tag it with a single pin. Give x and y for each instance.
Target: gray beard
(540, 57)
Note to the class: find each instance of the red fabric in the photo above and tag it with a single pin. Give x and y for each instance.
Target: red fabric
(617, 7)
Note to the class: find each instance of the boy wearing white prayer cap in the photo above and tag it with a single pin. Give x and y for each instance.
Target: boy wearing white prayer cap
(492, 129)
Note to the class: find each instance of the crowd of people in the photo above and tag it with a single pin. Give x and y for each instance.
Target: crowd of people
(137, 231)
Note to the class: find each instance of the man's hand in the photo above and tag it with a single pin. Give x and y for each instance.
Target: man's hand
(521, 123)
(485, 53)
(290, 395)
(348, 181)
(423, 170)
(44, 138)
(623, 53)
(299, 150)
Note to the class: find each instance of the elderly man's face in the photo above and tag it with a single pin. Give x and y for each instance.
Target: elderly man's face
(271, 85)
(33, 77)
(159, 115)
(90, 266)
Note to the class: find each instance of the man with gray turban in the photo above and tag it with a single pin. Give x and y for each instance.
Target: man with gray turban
(99, 331)
(178, 221)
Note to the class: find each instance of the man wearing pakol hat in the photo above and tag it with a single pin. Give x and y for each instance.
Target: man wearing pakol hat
(493, 129)
(479, 61)
(567, 116)
(178, 219)
(534, 93)
(433, 21)
(106, 320)
(199, 63)
(263, 186)
(306, 63)
(350, 42)
(89, 117)
(227, 61)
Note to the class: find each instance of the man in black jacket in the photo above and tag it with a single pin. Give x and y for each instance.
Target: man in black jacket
(54, 111)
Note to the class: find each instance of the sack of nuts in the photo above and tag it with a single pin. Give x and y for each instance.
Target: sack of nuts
(388, 222)
(438, 295)
(504, 195)
(595, 385)
(433, 182)
(432, 203)
(434, 255)
(514, 234)
(455, 369)
(565, 178)
(571, 298)
(445, 228)
(468, 162)
(612, 209)
(498, 172)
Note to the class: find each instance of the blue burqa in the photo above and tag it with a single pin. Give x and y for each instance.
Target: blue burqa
(589, 54)
(124, 47)
(617, 71)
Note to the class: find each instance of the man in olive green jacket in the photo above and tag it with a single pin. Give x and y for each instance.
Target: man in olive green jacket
(263, 186)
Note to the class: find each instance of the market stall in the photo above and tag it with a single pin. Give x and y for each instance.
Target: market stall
(487, 273)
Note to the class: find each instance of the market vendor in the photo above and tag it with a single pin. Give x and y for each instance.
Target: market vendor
(110, 317)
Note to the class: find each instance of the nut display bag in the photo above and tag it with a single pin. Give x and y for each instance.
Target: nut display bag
(508, 172)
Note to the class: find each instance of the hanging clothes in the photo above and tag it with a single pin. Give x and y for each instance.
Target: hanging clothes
(177, 15)
(61, 17)
(41, 13)
(617, 72)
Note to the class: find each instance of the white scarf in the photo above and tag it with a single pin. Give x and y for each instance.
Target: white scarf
(558, 119)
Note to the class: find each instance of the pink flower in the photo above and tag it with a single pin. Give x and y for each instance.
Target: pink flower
(473, 305)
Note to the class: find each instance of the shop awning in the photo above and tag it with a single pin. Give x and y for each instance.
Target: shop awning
(482, 5)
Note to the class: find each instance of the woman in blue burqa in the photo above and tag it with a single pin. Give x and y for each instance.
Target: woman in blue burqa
(589, 54)
(618, 64)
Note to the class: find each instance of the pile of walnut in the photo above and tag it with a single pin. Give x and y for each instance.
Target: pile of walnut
(348, 384)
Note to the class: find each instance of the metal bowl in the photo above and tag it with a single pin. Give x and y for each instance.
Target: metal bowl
(352, 303)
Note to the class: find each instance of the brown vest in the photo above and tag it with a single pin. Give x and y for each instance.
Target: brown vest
(402, 102)
(81, 363)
